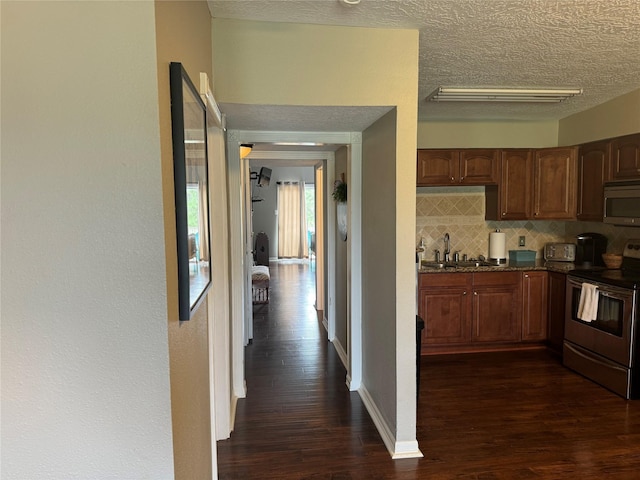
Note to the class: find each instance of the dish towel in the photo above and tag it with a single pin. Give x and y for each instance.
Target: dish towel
(588, 307)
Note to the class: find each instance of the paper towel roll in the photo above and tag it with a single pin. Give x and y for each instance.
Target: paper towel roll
(497, 245)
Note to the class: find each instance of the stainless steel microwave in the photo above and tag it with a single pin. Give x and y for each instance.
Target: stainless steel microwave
(622, 203)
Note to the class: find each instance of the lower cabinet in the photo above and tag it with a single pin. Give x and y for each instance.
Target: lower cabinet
(496, 307)
(556, 310)
(445, 307)
(534, 305)
(469, 310)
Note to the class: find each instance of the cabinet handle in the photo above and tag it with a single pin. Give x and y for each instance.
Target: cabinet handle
(475, 293)
(461, 179)
(535, 214)
(453, 180)
(526, 276)
(504, 214)
(464, 293)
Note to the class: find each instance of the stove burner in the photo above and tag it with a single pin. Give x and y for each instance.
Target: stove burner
(628, 276)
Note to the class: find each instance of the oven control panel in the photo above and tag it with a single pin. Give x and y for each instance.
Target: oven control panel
(632, 249)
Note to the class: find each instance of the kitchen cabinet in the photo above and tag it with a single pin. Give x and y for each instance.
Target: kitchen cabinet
(511, 198)
(625, 157)
(496, 307)
(445, 305)
(534, 305)
(593, 171)
(463, 310)
(534, 184)
(446, 167)
(556, 310)
(554, 183)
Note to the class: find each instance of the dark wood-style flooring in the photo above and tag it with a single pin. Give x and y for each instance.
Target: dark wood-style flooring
(508, 415)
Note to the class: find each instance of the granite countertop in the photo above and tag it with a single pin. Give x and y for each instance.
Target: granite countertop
(562, 267)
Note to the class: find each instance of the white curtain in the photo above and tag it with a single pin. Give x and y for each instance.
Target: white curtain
(292, 221)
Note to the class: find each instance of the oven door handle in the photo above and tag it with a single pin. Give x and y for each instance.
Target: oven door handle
(594, 359)
(611, 295)
(603, 289)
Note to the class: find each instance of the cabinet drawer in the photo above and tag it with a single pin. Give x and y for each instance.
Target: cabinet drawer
(443, 279)
(496, 278)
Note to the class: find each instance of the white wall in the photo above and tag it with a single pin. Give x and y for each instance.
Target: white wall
(485, 134)
(614, 118)
(85, 362)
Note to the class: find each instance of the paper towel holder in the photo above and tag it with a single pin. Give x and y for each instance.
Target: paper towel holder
(497, 248)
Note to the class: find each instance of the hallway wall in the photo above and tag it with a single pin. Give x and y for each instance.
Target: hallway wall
(324, 66)
(85, 361)
(340, 264)
(184, 35)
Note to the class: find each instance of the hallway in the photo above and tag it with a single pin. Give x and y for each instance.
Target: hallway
(504, 415)
(298, 421)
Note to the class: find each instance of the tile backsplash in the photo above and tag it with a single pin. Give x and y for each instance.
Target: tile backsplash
(460, 211)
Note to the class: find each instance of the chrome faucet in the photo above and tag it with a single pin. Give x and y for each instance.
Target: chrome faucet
(447, 248)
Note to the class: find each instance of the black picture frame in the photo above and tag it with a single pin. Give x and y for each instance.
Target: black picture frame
(191, 184)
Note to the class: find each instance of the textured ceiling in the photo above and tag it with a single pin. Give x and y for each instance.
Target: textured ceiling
(592, 44)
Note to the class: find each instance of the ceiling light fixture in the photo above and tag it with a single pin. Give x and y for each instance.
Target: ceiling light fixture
(245, 149)
(499, 94)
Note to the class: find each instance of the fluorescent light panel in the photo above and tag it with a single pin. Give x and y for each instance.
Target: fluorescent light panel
(495, 94)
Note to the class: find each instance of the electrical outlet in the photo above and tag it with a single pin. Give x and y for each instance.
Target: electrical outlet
(521, 241)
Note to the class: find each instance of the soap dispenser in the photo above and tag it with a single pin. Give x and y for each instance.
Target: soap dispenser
(421, 249)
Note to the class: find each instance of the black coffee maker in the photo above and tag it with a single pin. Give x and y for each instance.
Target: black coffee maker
(589, 249)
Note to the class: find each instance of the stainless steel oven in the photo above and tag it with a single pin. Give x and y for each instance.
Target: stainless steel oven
(603, 346)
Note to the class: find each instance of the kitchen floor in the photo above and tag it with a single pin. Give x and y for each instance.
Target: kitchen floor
(504, 415)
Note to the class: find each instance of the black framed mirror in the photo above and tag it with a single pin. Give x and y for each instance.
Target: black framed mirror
(191, 183)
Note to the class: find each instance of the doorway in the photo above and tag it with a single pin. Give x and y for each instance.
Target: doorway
(241, 250)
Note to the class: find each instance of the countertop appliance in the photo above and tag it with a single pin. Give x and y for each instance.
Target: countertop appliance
(560, 252)
(600, 343)
(622, 203)
(589, 249)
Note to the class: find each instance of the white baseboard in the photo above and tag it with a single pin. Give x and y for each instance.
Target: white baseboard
(406, 449)
(341, 353)
(232, 420)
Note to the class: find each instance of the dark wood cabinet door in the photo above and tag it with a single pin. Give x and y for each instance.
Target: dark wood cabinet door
(438, 167)
(479, 166)
(554, 183)
(496, 307)
(625, 157)
(447, 315)
(515, 185)
(534, 305)
(593, 171)
(556, 310)
(444, 305)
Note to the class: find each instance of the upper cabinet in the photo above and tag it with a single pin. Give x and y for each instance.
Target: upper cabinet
(625, 157)
(457, 167)
(593, 171)
(554, 183)
(512, 199)
(534, 184)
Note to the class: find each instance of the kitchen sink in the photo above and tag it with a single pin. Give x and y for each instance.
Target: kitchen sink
(437, 265)
(461, 264)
